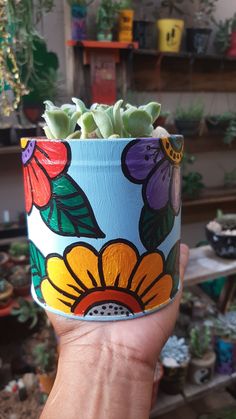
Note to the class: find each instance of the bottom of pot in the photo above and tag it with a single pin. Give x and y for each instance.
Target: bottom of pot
(104, 312)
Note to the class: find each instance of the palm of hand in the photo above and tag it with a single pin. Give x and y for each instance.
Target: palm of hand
(141, 339)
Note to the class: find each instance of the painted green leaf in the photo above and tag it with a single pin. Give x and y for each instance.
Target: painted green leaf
(172, 266)
(38, 268)
(154, 226)
(69, 212)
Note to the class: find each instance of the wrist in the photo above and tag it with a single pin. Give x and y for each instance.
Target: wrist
(99, 379)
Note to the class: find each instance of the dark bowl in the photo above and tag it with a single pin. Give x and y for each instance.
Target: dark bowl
(224, 246)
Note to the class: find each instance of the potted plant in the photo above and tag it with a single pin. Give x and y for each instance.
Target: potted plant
(125, 21)
(188, 120)
(192, 181)
(78, 18)
(4, 260)
(203, 358)
(230, 133)
(144, 29)
(29, 315)
(23, 20)
(106, 18)
(230, 178)
(225, 343)
(175, 359)
(6, 291)
(221, 234)
(20, 278)
(225, 38)
(218, 124)
(19, 252)
(45, 362)
(170, 30)
(118, 141)
(197, 37)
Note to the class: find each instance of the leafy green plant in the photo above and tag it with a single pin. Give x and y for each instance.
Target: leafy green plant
(230, 134)
(223, 34)
(192, 185)
(230, 178)
(44, 357)
(20, 276)
(19, 249)
(27, 311)
(200, 341)
(106, 15)
(126, 4)
(223, 117)
(203, 11)
(225, 325)
(194, 112)
(100, 121)
(3, 285)
(172, 6)
(84, 3)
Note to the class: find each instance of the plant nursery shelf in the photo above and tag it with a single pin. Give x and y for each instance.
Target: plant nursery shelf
(166, 403)
(205, 207)
(153, 71)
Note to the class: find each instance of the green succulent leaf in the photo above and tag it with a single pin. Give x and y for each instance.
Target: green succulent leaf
(139, 124)
(49, 105)
(74, 136)
(118, 124)
(153, 109)
(87, 123)
(104, 123)
(48, 133)
(58, 123)
(80, 106)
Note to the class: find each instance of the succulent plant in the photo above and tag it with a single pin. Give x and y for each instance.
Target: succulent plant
(27, 311)
(226, 221)
(175, 352)
(225, 325)
(20, 276)
(193, 112)
(3, 285)
(100, 121)
(200, 340)
(19, 249)
(44, 357)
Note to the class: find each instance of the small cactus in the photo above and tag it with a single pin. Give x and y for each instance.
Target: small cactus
(200, 341)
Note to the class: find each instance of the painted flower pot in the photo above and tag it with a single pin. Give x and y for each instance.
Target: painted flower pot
(223, 245)
(225, 355)
(170, 33)
(78, 22)
(174, 379)
(125, 33)
(104, 224)
(201, 370)
(197, 40)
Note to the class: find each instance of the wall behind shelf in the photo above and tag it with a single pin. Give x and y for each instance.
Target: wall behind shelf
(12, 195)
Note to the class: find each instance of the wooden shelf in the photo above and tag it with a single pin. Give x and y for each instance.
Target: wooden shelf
(183, 72)
(204, 208)
(102, 44)
(166, 403)
(204, 265)
(9, 240)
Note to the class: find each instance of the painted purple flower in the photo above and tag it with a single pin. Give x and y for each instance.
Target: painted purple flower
(155, 164)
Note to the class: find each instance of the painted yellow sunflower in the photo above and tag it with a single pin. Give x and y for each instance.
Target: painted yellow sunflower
(116, 281)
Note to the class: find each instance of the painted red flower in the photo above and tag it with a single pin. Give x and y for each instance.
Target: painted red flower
(42, 162)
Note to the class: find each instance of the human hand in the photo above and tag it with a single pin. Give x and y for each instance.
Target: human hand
(106, 369)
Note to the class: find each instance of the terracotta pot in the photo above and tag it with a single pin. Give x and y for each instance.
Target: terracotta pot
(232, 49)
(6, 296)
(46, 381)
(174, 378)
(201, 370)
(19, 260)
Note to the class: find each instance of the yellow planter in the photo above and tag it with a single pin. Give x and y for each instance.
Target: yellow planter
(126, 18)
(170, 33)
